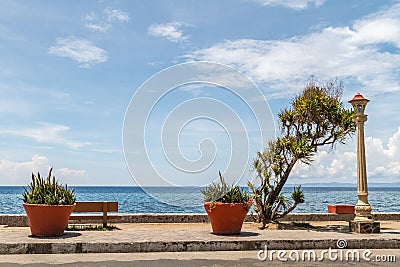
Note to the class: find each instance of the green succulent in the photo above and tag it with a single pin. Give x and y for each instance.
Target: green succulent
(222, 192)
(47, 191)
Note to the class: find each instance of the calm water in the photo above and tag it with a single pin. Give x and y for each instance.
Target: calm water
(135, 200)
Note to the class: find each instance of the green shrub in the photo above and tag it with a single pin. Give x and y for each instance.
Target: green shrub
(48, 191)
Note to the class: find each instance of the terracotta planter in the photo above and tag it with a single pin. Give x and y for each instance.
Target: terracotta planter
(48, 220)
(226, 218)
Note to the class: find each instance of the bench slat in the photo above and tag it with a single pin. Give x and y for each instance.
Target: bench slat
(91, 206)
(95, 206)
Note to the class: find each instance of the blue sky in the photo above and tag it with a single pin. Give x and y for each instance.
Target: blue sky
(68, 73)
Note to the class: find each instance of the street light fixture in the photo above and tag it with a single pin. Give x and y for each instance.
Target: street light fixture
(363, 222)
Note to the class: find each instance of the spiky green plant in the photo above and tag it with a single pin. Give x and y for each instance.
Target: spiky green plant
(222, 192)
(47, 191)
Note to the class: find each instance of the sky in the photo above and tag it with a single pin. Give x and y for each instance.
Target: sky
(69, 72)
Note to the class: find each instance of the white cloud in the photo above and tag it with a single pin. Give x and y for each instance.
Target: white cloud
(351, 52)
(66, 172)
(116, 15)
(106, 20)
(380, 27)
(80, 50)
(294, 4)
(383, 163)
(46, 133)
(13, 172)
(171, 31)
(98, 27)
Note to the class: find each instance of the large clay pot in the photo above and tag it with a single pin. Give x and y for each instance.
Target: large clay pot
(48, 220)
(226, 218)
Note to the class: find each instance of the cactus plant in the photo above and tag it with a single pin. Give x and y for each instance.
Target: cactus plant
(47, 191)
(222, 192)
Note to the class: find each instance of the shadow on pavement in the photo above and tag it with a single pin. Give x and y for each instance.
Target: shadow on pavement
(63, 236)
(242, 234)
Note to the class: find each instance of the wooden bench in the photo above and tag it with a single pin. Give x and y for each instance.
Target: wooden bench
(95, 206)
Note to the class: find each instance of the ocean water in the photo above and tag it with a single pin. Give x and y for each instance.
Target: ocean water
(189, 200)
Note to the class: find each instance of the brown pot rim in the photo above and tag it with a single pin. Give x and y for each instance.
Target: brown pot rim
(47, 205)
(221, 203)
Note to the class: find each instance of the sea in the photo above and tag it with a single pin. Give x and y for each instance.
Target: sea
(133, 199)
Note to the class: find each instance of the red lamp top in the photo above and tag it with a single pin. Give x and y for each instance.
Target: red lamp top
(358, 97)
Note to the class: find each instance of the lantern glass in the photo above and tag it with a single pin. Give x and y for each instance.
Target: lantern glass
(359, 108)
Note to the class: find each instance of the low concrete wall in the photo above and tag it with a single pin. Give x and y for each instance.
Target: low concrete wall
(318, 217)
(14, 220)
(21, 220)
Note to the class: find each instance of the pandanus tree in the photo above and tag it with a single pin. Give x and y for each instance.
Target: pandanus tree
(315, 118)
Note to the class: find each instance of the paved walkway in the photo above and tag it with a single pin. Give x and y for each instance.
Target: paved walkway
(195, 237)
(195, 259)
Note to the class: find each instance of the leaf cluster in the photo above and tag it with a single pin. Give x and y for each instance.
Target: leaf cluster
(47, 191)
(316, 118)
(222, 192)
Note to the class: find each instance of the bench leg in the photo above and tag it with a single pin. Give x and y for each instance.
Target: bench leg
(105, 208)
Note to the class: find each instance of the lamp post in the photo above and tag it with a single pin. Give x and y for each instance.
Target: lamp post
(363, 222)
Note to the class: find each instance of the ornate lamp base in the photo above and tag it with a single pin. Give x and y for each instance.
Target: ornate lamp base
(365, 227)
(363, 212)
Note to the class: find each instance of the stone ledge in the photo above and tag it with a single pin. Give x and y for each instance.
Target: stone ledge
(180, 246)
(21, 220)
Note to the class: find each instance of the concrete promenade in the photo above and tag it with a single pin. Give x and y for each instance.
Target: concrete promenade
(22, 219)
(184, 237)
(378, 257)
